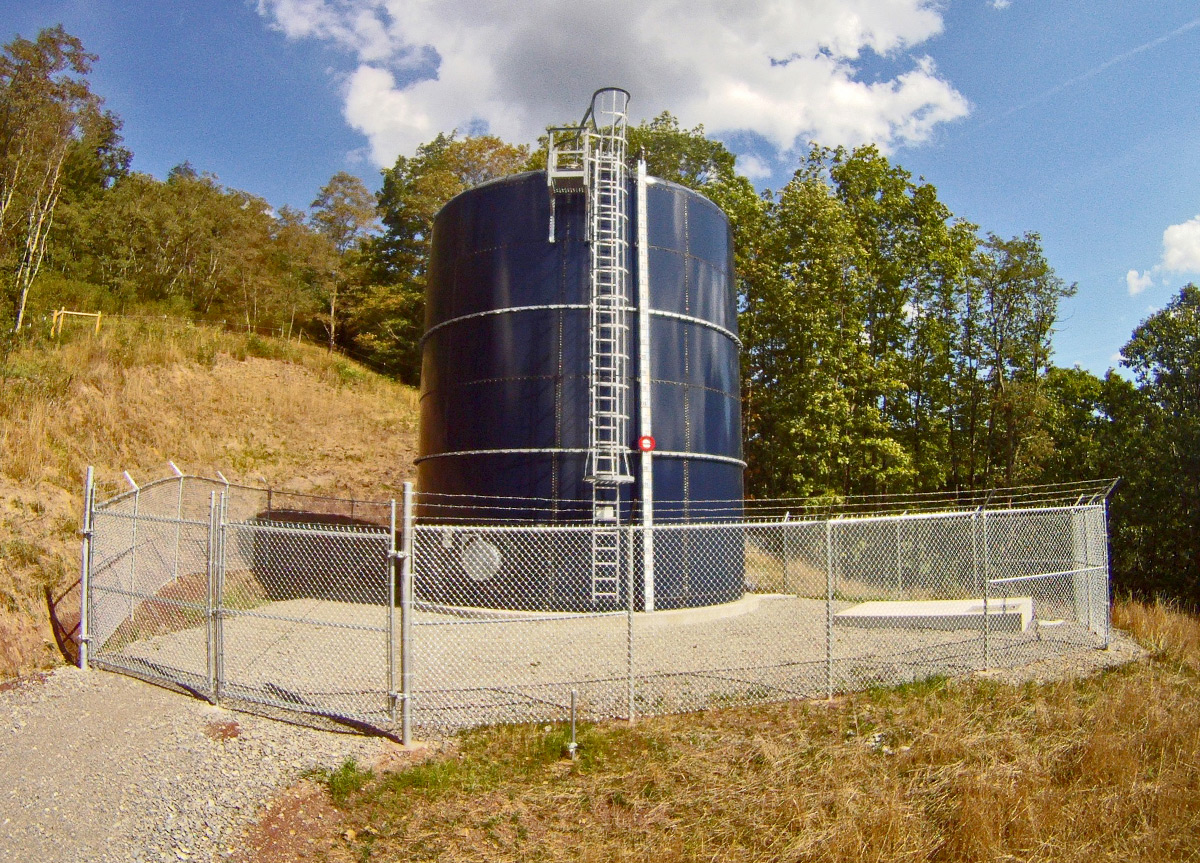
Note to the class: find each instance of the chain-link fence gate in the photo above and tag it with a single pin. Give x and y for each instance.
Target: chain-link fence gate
(357, 611)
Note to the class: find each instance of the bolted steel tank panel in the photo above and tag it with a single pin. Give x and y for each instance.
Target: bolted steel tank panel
(504, 382)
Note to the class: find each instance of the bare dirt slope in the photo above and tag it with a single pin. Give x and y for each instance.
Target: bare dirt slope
(140, 394)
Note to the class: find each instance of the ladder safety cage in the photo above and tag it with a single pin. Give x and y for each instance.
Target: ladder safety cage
(590, 158)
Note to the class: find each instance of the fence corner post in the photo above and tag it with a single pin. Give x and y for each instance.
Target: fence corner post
(85, 565)
(406, 603)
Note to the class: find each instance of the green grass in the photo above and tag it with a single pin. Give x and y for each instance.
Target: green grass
(342, 782)
(1105, 768)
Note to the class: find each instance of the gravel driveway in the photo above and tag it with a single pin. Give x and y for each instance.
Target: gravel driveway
(101, 767)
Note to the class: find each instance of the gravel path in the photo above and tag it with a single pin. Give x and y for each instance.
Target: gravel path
(101, 767)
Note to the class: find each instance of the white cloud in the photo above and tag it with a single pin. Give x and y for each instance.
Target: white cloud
(785, 69)
(752, 167)
(1181, 247)
(1136, 283)
(1181, 254)
(1001, 4)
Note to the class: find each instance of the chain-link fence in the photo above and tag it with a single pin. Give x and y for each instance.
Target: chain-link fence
(362, 612)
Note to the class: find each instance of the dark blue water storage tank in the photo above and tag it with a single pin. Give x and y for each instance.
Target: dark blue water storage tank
(504, 388)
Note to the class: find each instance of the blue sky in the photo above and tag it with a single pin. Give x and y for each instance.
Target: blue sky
(1078, 120)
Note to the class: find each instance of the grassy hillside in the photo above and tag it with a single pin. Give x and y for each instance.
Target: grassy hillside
(144, 392)
(1105, 768)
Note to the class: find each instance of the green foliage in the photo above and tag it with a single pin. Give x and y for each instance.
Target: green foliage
(387, 308)
(47, 113)
(684, 156)
(1153, 440)
(888, 346)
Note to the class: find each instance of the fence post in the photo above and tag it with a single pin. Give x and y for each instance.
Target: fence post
(178, 521)
(829, 608)
(787, 557)
(392, 571)
(85, 565)
(137, 495)
(219, 611)
(406, 603)
(987, 590)
(630, 695)
(210, 576)
(1105, 576)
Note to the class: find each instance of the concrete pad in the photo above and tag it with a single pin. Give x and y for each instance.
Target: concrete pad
(1007, 614)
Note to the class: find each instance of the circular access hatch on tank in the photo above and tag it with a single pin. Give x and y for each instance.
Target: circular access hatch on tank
(480, 559)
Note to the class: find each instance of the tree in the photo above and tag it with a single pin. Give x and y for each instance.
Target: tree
(389, 306)
(684, 156)
(1154, 442)
(46, 106)
(850, 321)
(343, 213)
(1018, 295)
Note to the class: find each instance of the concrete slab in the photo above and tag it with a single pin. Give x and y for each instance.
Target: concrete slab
(1007, 614)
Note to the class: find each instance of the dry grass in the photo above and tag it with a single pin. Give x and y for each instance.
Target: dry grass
(1102, 769)
(140, 393)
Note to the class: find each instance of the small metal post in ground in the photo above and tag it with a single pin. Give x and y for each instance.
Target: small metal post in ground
(829, 609)
(572, 746)
(85, 565)
(406, 603)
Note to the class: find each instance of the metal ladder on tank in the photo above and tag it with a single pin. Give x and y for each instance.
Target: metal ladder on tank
(595, 159)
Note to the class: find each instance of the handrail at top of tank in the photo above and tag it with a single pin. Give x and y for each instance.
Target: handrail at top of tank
(549, 307)
(590, 113)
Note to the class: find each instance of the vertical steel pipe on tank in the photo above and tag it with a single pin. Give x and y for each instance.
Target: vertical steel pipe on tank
(644, 400)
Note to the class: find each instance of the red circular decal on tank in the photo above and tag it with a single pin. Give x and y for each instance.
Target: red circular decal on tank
(646, 443)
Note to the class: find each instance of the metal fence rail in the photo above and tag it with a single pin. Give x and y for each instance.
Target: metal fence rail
(354, 610)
